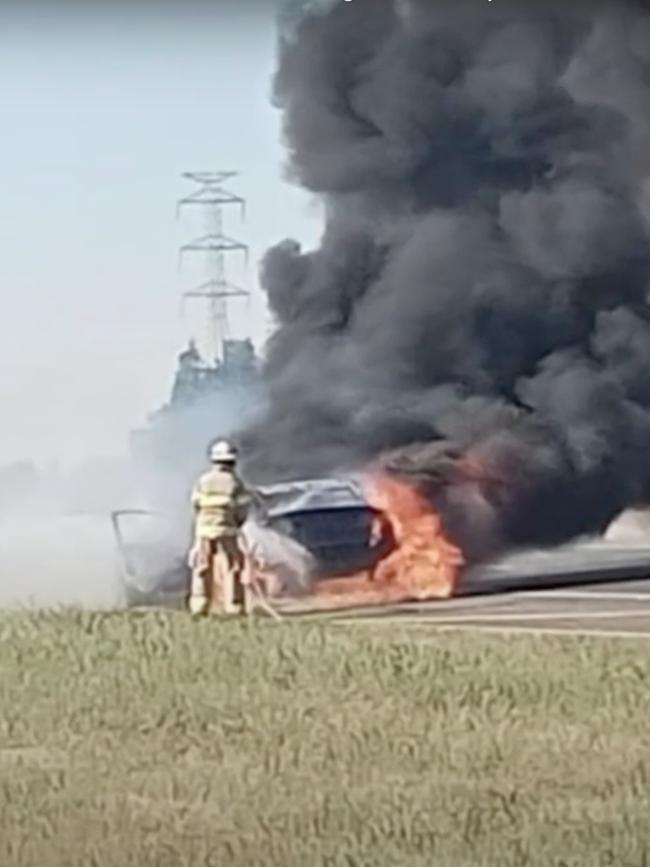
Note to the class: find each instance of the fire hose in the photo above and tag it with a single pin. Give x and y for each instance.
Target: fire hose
(261, 599)
(254, 583)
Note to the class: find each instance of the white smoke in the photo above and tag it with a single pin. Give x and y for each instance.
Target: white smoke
(54, 560)
(288, 568)
(57, 545)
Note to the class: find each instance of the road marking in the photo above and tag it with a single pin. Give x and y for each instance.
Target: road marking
(508, 630)
(610, 595)
(541, 631)
(614, 614)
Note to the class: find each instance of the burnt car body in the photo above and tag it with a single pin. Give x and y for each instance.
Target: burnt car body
(329, 519)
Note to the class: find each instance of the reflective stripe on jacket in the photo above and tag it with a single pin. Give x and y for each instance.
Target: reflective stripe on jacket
(221, 502)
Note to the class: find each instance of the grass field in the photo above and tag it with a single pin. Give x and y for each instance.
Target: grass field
(150, 740)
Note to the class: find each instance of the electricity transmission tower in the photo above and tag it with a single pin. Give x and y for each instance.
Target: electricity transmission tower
(211, 197)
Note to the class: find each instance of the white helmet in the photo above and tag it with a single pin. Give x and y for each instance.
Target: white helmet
(223, 453)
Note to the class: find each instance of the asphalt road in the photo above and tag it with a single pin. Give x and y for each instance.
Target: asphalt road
(583, 589)
(619, 608)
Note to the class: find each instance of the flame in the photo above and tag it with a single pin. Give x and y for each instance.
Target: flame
(424, 564)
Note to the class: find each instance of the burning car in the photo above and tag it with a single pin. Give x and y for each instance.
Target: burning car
(301, 533)
(325, 540)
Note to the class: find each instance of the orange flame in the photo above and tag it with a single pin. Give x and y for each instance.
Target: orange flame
(424, 563)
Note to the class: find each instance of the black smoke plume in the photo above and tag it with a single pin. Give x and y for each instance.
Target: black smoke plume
(479, 297)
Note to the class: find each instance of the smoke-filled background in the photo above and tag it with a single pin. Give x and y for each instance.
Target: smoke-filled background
(476, 308)
(480, 294)
(105, 104)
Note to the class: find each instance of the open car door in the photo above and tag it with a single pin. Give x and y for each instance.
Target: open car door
(152, 556)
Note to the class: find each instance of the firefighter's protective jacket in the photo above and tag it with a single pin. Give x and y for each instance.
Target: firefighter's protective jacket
(221, 503)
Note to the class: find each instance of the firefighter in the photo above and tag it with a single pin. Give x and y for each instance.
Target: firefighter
(220, 502)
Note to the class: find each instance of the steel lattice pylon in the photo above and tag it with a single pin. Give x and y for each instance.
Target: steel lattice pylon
(212, 197)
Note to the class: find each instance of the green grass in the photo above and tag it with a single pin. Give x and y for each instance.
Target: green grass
(154, 741)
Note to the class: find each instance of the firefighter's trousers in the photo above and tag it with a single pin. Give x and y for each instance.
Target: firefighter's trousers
(218, 577)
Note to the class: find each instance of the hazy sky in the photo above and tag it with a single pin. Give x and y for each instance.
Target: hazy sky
(100, 112)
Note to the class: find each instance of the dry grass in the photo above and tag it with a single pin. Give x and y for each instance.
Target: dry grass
(150, 740)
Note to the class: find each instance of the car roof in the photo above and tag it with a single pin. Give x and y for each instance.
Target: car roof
(311, 495)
